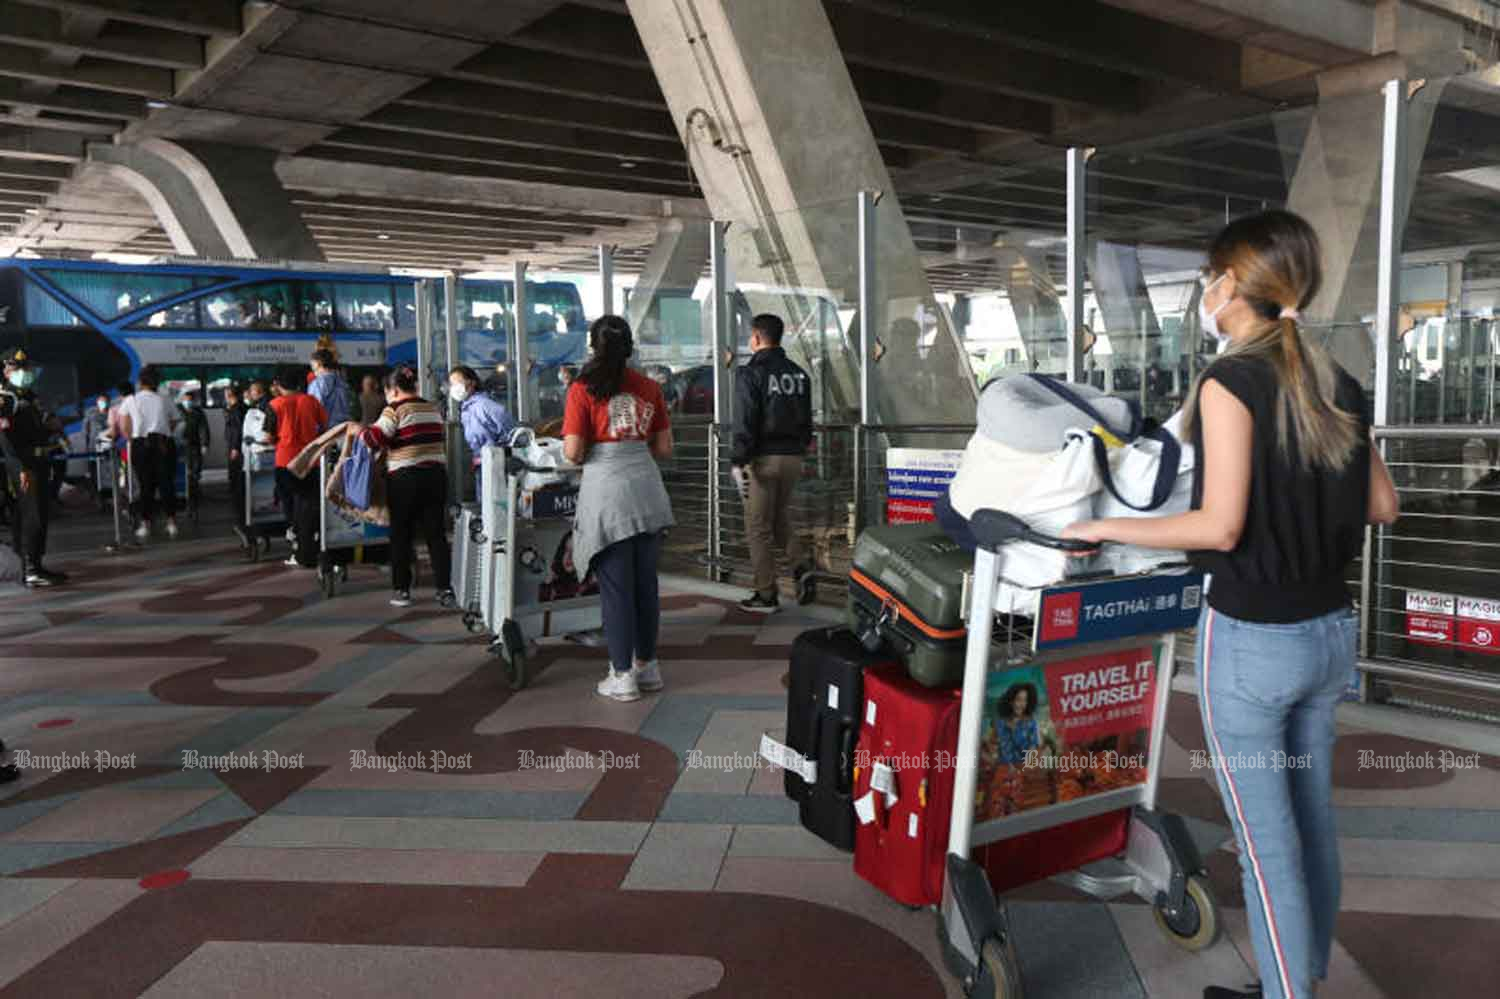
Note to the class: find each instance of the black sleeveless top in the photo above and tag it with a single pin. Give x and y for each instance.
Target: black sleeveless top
(1303, 527)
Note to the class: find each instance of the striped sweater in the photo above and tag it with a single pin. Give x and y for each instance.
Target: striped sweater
(411, 434)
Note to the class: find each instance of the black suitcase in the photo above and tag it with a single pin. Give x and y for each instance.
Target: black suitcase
(823, 714)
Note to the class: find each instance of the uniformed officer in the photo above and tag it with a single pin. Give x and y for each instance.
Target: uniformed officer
(772, 431)
(24, 438)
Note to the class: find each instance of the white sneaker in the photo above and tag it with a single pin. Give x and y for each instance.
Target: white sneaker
(143, 532)
(401, 598)
(291, 535)
(619, 686)
(647, 677)
(171, 527)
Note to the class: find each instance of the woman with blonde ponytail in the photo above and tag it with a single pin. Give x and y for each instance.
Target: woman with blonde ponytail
(1285, 484)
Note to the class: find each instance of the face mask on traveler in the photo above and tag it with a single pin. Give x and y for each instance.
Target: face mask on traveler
(1209, 321)
(23, 378)
(188, 404)
(101, 405)
(458, 391)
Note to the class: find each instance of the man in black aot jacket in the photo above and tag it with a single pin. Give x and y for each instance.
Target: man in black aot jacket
(24, 442)
(772, 430)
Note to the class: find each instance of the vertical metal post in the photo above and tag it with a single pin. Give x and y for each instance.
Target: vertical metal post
(114, 492)
(1393, 189)
(867, 308)
(606, 279)
(453, 442)
(723, 341)
(424, 337)
(721, 361)
(1077, 169)
(520, 352)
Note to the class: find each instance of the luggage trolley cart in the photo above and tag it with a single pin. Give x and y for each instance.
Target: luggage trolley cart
(1111, 639)
(529, 586)
(339, 532)
(262, 510)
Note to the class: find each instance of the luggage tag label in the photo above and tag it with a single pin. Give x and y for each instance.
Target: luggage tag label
(833, 697)
(870, 712)
(883, 778)
(864, 808)
(781, 755)
(911, 825)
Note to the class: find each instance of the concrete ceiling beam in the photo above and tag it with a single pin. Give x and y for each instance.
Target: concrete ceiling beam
(390, 223)
(27, 185)
(339, 178)
(32, 64)
(394, 230)
(41, 169)
(455, 124)
(41, 144)
(365, 240)
(544, 72)
(214, 18)
(492, 100)
(1326, 32)
(73, 100)
(90, 127)
(1083, 32)
(475, 214)
(605, 163)
(887, 43)
(48, 30)
(947, 103)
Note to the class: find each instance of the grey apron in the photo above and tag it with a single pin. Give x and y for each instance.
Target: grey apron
(621, 495)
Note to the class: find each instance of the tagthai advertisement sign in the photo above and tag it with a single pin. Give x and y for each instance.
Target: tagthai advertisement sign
(1065, 731)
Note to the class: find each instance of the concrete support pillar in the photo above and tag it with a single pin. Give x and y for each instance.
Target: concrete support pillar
(785, 169)
(1039, 313)
(661, 310)
(1125, 303)
(213, 200)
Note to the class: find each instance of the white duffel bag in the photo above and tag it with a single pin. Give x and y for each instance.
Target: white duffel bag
(1139, 486)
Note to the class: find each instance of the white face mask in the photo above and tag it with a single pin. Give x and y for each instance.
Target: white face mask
(102, 405)
(1209, 321)
(23, 378)
(458, 391)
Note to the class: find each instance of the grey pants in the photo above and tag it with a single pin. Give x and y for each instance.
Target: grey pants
(768, 522)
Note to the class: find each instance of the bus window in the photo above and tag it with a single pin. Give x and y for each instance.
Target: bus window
(317, 306)
(183, 315)
(363, 306)
(109, 294)
(269, 306)
(406, 306)
(44, 310)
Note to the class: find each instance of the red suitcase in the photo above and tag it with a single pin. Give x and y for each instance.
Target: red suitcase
(903, 785)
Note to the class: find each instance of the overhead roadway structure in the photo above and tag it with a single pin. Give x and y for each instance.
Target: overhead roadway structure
(382, 115)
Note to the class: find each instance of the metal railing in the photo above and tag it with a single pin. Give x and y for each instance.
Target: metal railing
(1447, 540)
(1446, 543)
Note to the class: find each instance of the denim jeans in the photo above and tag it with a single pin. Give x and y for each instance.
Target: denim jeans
(1267, 693)
(630, 598)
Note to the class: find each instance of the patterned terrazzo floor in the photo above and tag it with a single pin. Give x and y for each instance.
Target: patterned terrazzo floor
(320, 877)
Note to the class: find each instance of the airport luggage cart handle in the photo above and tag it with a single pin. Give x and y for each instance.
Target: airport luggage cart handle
(515, 466)
(995, 528)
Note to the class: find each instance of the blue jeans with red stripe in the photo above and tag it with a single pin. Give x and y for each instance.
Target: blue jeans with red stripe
(1267, 693)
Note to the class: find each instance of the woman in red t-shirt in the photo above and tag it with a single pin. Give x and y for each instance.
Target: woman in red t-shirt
(615, 425)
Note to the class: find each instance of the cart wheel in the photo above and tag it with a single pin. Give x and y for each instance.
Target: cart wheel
(472, 622)
(1000, 961)
(515, 653)
(1196, 925)
(343, 573)
(326, 578)
(515, 669)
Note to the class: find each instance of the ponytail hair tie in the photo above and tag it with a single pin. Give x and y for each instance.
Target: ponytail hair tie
(1290, 313)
